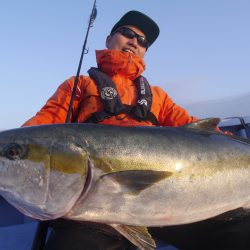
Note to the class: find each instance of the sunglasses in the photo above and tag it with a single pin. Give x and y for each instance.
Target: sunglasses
(141, 40)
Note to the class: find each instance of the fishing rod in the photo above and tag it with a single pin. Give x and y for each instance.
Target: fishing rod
(84, 51)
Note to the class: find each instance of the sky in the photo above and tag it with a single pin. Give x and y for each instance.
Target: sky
(202, 53)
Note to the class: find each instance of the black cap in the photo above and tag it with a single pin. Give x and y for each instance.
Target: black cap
(142, 22)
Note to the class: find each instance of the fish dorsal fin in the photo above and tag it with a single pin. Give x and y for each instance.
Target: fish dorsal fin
(137, 180)
(139, 236)
(204, 124)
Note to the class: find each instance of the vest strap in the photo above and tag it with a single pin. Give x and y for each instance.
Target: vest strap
(112, 103)
(107, 91)
(102, 115)
(98, 117)
(144, 101)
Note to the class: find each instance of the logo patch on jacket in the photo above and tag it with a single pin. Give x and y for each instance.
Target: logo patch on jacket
(108, 93)
(143, 102)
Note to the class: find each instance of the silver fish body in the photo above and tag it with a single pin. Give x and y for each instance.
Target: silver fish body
(139, 176)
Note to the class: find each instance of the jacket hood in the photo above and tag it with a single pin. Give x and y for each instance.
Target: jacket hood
(115, 62)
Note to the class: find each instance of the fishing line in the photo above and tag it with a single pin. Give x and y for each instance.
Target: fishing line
(84, 51)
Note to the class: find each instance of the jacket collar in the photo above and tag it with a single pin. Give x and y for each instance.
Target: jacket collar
(115, 62)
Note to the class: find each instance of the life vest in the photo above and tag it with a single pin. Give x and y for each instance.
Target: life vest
(112, 103)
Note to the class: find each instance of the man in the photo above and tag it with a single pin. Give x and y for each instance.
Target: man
(122, 62)
(115, 94)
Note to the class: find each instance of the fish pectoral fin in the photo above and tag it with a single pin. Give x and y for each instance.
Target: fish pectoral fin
(139, 236)
(137, 180)
(204, 124)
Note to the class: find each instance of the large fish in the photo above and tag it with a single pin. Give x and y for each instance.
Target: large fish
(128, 177)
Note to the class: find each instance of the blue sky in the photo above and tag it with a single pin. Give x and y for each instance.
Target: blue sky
(202, 53)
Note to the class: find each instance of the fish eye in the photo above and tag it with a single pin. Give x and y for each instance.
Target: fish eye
(14, 151)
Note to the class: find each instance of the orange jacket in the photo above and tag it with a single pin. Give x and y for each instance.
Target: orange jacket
(123, 68)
